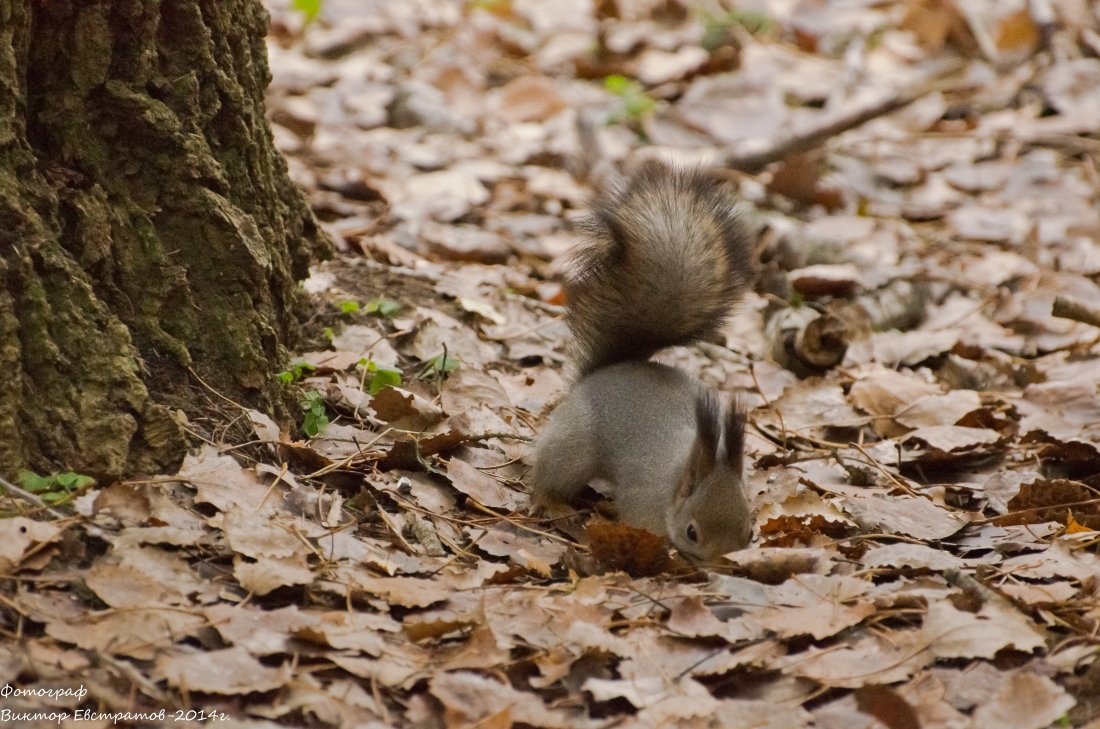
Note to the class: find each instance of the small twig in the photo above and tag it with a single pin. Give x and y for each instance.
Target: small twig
(808, 139)
(892, 478)
(543, 324)
(483, 469)
(14, 490)
(1066, 307)
(1049, 507)
(350, 460)
(478, 506)
(215, 392)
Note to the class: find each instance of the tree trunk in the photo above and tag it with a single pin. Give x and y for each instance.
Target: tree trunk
(149, 233)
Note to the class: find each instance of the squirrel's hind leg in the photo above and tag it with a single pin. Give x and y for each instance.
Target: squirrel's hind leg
(566, 456)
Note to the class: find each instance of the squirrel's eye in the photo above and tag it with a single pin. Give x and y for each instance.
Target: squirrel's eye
(693, 533)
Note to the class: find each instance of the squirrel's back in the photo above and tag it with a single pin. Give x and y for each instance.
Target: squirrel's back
(668, 258)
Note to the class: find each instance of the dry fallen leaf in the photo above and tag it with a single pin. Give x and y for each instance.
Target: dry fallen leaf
(226, 671)
(18, 535)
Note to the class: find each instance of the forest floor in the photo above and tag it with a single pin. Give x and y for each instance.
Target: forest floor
(924, 178)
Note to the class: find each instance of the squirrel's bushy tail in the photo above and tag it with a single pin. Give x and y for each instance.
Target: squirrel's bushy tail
(668, 258)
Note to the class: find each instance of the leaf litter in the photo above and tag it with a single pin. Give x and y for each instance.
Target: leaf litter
(926, 507)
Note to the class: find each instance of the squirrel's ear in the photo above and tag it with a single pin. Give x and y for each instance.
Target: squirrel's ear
(708, 419)
(704, 452)
(735, 436)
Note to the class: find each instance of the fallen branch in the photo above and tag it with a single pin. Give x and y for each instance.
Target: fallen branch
(808, 139)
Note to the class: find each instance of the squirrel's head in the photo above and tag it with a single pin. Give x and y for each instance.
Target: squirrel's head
(710, 515)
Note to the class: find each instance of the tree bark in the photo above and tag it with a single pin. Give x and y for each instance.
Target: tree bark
(149, 232)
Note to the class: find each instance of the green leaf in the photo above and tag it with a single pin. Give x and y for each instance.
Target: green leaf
(32, 482)
(718, 27)
(313, 424)
(636, 102)
(440, 364)
(55, 486)
(349, 307)
(296, 372)
(496, 7)
(308, 8)
(383, 377)
(315, 419)
(617, 84)
(383, 307)
(754, 21)
(74, 481)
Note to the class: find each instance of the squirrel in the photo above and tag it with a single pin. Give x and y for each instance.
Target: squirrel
(667, 259)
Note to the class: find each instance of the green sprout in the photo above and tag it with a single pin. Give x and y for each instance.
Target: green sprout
(439, 365)
(717, 27)
(310, 9)
(496, 7)
(636, 103)
(380, 377)
(384, 308)
(316, 419)
(297, 371)
(55, 487)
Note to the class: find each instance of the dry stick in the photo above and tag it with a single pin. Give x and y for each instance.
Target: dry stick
(483, 469)
(461, 551)
(769, 406)
(978, 31)
(992, 519)
(131, 673)
(478, 506)
(526, 330)
(804, 141)
(215, 392)
(14, 490)
(347, 460)
(1066, 307)
(466, 522)
(792, 435)
(893, 479)
(1087, 544)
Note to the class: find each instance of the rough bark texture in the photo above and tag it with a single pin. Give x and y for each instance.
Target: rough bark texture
(147, 227)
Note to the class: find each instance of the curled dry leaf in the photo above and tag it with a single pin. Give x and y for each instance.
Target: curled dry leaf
(260, 632)
(405, 410)
(527, 550)
(1053, 500)
(827, 279)
(480, 486)
(267, 574)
